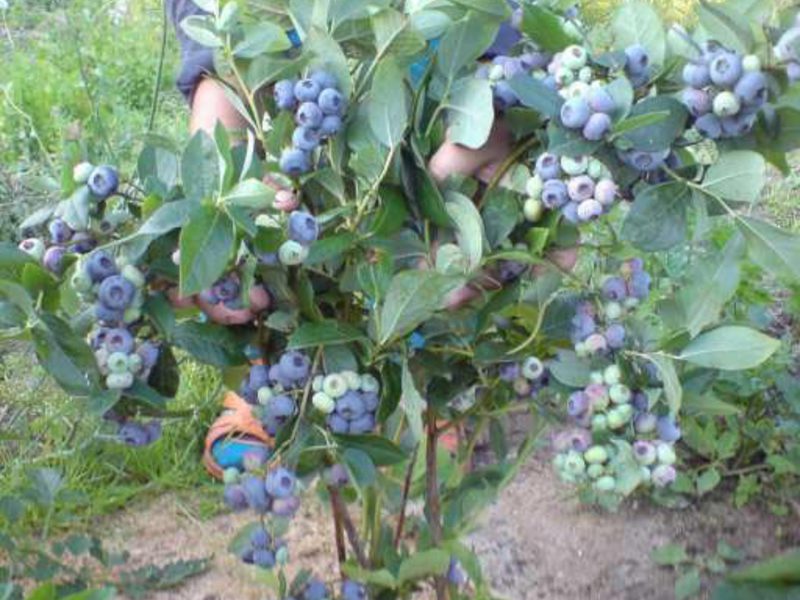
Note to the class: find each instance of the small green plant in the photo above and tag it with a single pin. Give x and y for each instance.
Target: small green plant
(690, 570)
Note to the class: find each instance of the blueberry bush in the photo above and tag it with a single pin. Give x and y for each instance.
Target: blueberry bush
(370, 311)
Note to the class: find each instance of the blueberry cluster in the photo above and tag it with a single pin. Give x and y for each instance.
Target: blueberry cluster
(724, 91)
(75, 237)
(122, 357)
(527, 378)
(504, 68)
(275, 494)
(279, 388)
(113, 286)
(263, 550)
(646, 161)
(581, 188)
(313, 589)
(349, 400)
(302, 230)
(787, 50)
(132, 432)
(352, 590)
(597, 332)
(318, 107)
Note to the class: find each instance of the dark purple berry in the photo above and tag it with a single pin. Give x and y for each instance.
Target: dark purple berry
(60, 232)
(100, 266)
(103, 181)
(118, 340)
(116, 292)
(280, 483)
(303, 227)
(53, 259)
(636, 59)
(598, 125)
(294, 162)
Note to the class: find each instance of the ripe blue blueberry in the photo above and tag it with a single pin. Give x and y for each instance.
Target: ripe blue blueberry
(294, 162)
(363, 424)
(338, 424)
(589, 209)
(548, 166)
(752, 88)
(534, 60)
(505, 40)
(642, 160)
(280, 409)
(725, 69)
(698, 102)
(577, 404)
(285, 507)
(324, 79)
(53, 259)
(280, 483)
(100, 266)
(295, 365)
(315, 590)
(455, 573)
(235, 497)
(133, 434)
(738, 125)
(601, 101)
(350, 406)
(598, 125)
(330, 126)
(60, 233)
(118, 340)
(305, 138)
(696, 75)
(371, 401)
(306, 90)
(309, 114)
(103, 181)
(615, 336)
(82, 243)
(575, 112)
(793, 72)
(639, 285)
(709, 126)
(116, 292)
(667, 429)
(303, 227)
(108, 316)
(636, 59)
(353, 591)
(331, 102)
(504, 96)
(512, 68)
(264, 558)
(260, 538)
(614, 288)
(283, 92)
(255, 493)
(580, 188)
(226, 289)
(554, 193)
(336, 475)
(509, 371)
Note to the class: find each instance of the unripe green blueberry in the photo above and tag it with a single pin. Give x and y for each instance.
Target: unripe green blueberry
(335, 385)
(564, 76)
(625, 411)
(726, 104)
(577, 89)
(666, 454)
(521, 386)
(616, 419)
(33, 247)
(605, 484)
(352, 379)
(751, 62)
(532, 368)
(613, 311)
(282, 555)
(574, 464)
(323, 402)
(599, 423)
(595, 470)
(534, 186)
(596, 377)
(292, 253)
(596, 455)
(369, 383)
(631, 302)
(646, 475)
(132, 314)
(596, 169)
(644, 452)
(264, 395)
(316, 383)
(496, 73)
(81, 282)
(620, 393)
(574, 57)
(117, 362)
(612, 375)
(585, 74)
(230, 475)
(571, 29)
(558, 461)
(533, 209)
(574, 166)
(119, 381)
(134, 275)
(134, 363)
(581, 350)
(101, 357)
(81, 172)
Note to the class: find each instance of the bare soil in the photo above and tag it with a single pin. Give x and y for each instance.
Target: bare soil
(536, 542)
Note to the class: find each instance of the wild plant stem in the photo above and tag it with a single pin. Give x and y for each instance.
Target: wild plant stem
(434, 509)
(338, 531)
(349, 527)
(160, 69)
(401, 520)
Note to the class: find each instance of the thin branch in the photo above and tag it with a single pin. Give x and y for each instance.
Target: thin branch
(341, 551)
(401, 521)
(340, 509)
(434, 509)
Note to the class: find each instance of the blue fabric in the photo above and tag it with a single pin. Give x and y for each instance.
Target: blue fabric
(417, 69)
(230, 452)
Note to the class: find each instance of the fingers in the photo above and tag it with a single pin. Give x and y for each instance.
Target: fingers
(452, 159)
(564, 258)
(178, 301)
(219, 313)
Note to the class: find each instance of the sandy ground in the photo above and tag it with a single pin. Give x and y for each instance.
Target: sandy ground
(536, 542)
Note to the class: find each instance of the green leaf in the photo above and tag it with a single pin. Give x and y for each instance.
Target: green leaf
(324, 333)
(382, 451)
(12, 259)
(388, 107)
(200, 167)
(209, 343)
(261, 37)
(726, 27)
(330, 248)
(738, 176)
(500, 213)
(381, 578)
(251, 193)
(536, 95)
(661, 119)
(638, 22)
(146, 395)
(708, 481)
(45, 486)
(673, 391)
(361, 466)
(468, 226)
(657, 219)
(688, 584)
(495, 8)
(707, 405)
(570, 370)
(46, 591)
(412, 404)
(391, 214)
(730, 348)
(568, 142)
(413, 297)
(471, 112)
(784, 568)
(168, 216)
(328, 56)
(200, 28)
(463, 43)
(65, 355)
(545, 28)
(772, 248)
(206, 245)
(421, 565)
(670, 555)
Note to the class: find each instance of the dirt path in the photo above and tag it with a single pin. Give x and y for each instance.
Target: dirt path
(535, 543)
